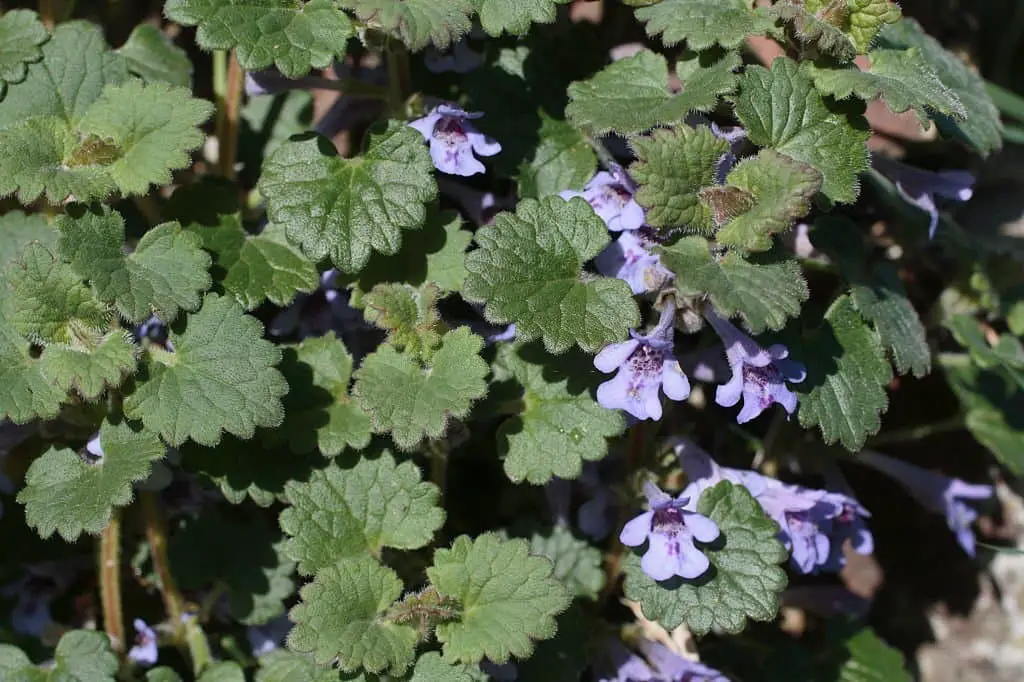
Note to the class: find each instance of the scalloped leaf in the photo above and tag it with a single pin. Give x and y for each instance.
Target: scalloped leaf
(562, 160)
(847, 374)
(561, 426)
(745, 580)
(418, 22)
(21, 34)
(341, 616)
(508, 598)
(319, 414)
(577, 563)
(293, 35)
(781, 110)
(220, 377)
(17, 229)
(671, 168)
(632, 95)
(765, 290)
(152, 56)
(900, 78)
(412, 402)
(982, 127)
(515, 16)
(166, 273)
(346, 512)
(27, 393)
(66, 494)
(528, 270)
(703, 23)
(344, 209)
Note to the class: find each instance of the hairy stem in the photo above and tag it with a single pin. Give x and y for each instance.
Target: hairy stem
(912, 433)
(231, 80)
(613, 561)
(438, 466)
(156, 535)
(110, 582)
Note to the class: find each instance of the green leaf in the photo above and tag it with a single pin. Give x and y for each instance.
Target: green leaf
(152, 56)
(13, 659)
(282, 665)
(901, 78)
(577, 563)
(253, 469)
(220, 377)
(866, 18)
(75, 68)
(671, 168)
(51, 304)
(84, 655)
(21, 34)
(781, 110)
(413, 402)
(293, 35)
(430, 667)
(408, 314)
(319, 414)
(993, 404)
(162, 674)
(631, 95)
(847, 374)
(27, 393)
(346, 512)
(417, 22)
(781, 190)
(250, 562)
(982, 128)
(346, 208)
(744, 582)
(863, 656)
(17, 229)
(92, 364)
(341, 616)
(528, 271)
(508, 598)
(130, 137)
(153, 127)
(66, 494)
(434, 253)
(883, 301)
(223, 671)
(165, 273)
(703, 23)
(822, 34)
(1006, 355)
(267, 267)
(46, 163)
(765, 290)
(561, 426)
(515, 16)
(563, 160)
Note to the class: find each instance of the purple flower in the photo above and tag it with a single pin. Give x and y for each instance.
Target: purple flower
(144, 652)
(268, 637)
(736, 136)
(453, 139)
(629, 259)
(671, 667)
(758, 376)
(920, 187)
(813, 523)
(645, 364)
(611, 196)
(670, 529)
(460, 59)
(619, 664)
(935, 492)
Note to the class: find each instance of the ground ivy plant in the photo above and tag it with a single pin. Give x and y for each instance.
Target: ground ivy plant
(454, 340)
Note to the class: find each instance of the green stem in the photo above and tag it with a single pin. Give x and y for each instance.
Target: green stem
(438, 466)
(110, 582)
(918, 432)
(156, 535)
(613, 562)
(398, 78)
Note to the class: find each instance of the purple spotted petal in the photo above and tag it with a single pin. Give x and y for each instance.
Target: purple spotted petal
(453, 140)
